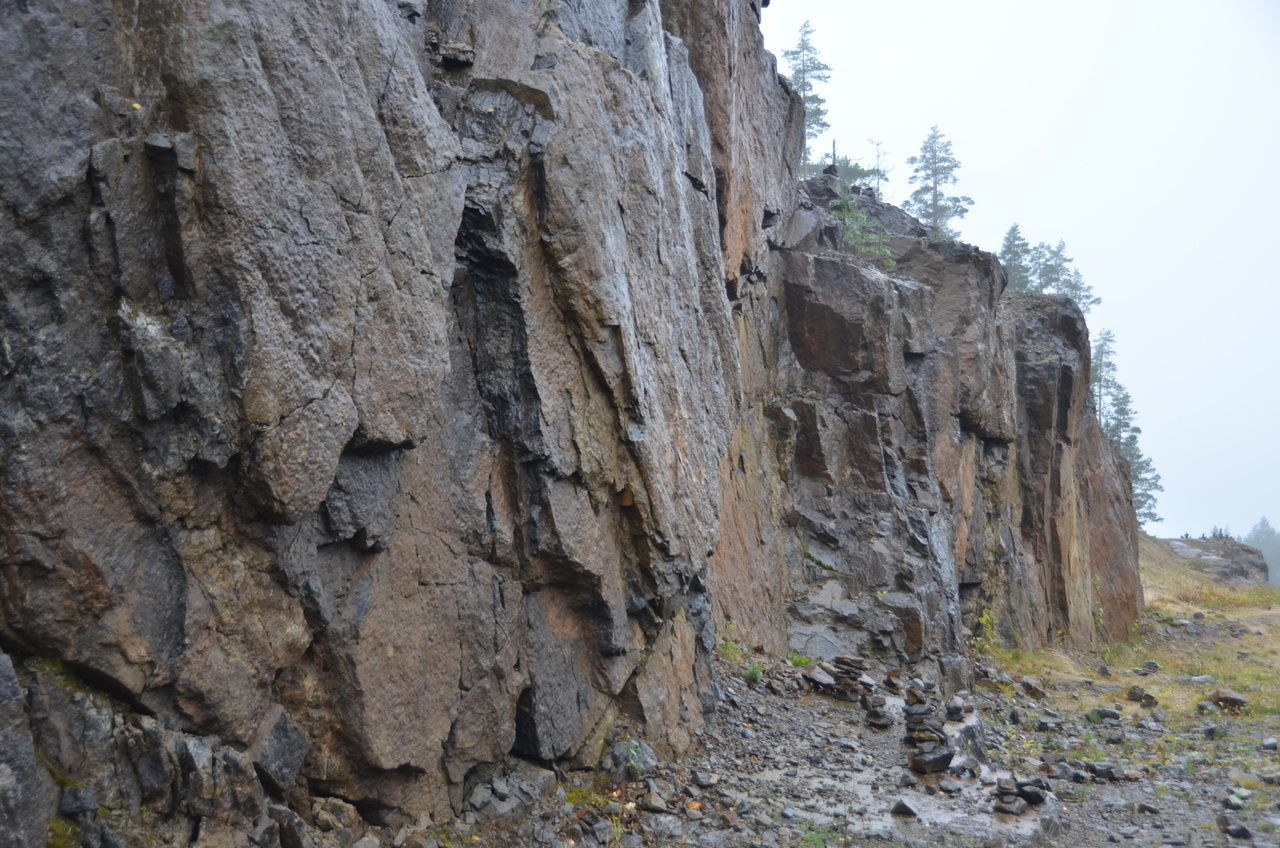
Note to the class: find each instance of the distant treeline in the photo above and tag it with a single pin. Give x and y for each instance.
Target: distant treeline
(1265, 538)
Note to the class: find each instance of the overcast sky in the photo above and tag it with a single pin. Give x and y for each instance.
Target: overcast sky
(1146, 134)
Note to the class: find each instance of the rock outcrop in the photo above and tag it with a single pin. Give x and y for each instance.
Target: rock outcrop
(388, 388)
(945, 473)
(1224, 559)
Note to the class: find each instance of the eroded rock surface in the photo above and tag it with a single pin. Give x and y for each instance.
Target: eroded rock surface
(388, 388)
(944, 472)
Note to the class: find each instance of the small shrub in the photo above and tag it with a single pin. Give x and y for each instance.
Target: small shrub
(734, 652)
(799, 660)
(755, 673)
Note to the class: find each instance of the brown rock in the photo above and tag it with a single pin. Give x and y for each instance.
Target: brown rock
(1229, 699)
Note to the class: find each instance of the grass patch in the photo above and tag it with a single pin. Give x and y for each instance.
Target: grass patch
(734, 652)
(799, 660)
(1173, 587)
(818, 836)
(1248, 663)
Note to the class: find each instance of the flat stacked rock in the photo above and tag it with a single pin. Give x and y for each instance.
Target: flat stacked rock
(1015, 797)
(929, 752)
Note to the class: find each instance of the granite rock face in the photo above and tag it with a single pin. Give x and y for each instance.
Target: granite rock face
(944, 471)
(1224, 559)
(390, 388)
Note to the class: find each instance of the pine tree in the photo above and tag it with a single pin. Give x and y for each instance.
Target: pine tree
(807, 70)
(1072, 284)
(880, 172)
(1048, 266)
(1102, 372)
(1120, 428)
(1119, 418)
(1146, 481)
(862, 234)
(933, 170)
(1265, 538)
(1015, 255)
(1115, 411)
(1052, 271)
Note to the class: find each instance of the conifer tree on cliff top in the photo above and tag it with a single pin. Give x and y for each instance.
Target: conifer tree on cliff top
(1103, 381)
(1015, 256)
(807, 70)
(934, 169)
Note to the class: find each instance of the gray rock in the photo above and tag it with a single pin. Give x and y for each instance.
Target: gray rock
(902, 807)
(27, 795)
(632, 759)
(1010, 805)
(281, 752)
(662, 825)
(1225, 559)
(76, 801)
(930, 760)
(1033, 687)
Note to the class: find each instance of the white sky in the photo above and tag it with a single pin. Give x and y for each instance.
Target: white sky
(1146, 133)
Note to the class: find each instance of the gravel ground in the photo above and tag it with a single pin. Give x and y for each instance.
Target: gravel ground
(795, 759)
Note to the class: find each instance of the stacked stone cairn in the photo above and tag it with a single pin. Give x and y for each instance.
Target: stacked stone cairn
(929, 751)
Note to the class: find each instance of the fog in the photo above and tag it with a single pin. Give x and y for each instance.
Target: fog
(1146, 135)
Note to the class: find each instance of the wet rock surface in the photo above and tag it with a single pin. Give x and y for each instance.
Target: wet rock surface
(785, 764)
(394, 391)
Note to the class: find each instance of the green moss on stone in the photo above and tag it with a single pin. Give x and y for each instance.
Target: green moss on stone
(63, 833)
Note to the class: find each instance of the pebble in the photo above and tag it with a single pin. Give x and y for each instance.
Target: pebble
(1011, 805)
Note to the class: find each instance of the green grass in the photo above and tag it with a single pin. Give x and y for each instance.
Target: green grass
(1172, 587)
(799, 660)
(734, 652)
(818, 836)
(62, 834)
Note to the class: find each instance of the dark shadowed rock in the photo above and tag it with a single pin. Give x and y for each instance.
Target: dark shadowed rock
(930, 760)
(28, 797)
(281, 752)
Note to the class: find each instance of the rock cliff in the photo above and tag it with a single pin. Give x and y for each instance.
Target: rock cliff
(1224, 559)
(389, 388)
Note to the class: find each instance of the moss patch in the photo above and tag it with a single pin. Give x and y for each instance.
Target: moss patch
(62, 833)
